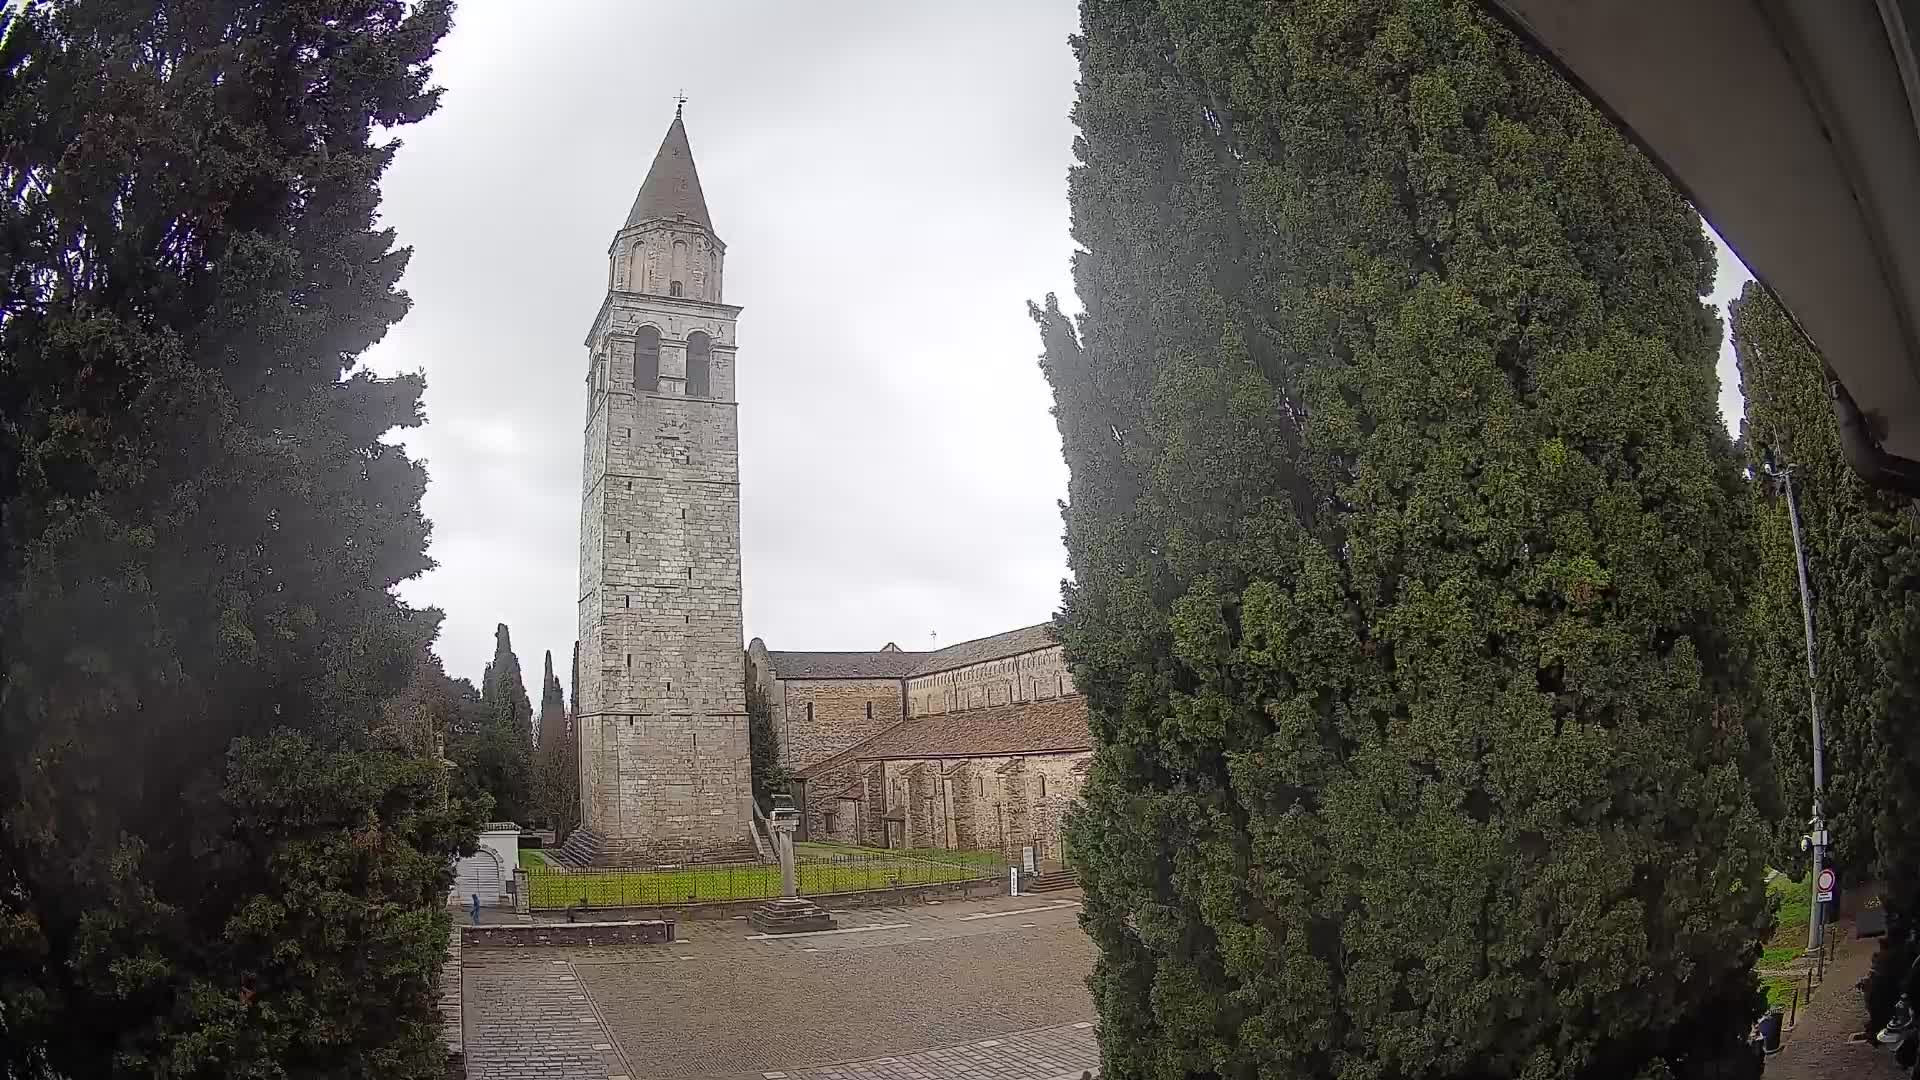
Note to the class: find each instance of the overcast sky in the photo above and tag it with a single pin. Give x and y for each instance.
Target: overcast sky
(889, 180)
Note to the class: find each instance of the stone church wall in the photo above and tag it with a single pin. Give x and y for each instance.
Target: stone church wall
(1030, 676)
(972, 804)
(663, 727)
(817, 718)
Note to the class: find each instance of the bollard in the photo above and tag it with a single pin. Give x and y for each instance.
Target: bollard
(1793, 1014)
(1013, 881)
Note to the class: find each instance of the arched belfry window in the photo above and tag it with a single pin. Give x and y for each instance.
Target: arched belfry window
(646, 359)
(673, 288)
(699, 366)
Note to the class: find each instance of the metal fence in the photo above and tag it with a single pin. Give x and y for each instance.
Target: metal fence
(819, 875)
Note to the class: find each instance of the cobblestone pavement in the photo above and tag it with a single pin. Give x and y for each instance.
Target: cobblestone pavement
(450, 1028)
(725, 1003)
(527, 1016)
(1821, 1046)
(1067, 1052)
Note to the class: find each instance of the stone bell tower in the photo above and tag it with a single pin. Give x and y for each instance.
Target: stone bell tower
(662, 725)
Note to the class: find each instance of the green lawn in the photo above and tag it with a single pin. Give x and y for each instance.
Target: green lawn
(821, 874)
(1796, 908)
(1789, 939)
(1779, 989)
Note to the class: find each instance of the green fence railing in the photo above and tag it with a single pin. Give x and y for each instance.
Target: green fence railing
(554, 887)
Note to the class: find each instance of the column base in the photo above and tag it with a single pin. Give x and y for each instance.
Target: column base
(791, 915)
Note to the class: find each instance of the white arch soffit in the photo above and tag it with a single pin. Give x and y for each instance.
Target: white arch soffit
(1790, 125)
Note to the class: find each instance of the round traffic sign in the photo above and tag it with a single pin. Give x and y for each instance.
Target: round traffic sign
(1826, 879)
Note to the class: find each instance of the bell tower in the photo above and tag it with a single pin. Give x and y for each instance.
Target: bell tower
(662, 726)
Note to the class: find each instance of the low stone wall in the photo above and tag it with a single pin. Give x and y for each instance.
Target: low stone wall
(609, 932)
(727, 909)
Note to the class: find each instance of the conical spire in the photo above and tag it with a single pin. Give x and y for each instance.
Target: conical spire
(672, 187)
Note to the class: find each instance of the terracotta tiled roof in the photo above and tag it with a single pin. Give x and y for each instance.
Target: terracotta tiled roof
(1025, 727)
(885, 664)
(980, 650)
(893, 663)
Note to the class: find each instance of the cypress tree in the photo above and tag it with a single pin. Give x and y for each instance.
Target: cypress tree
(208, 866)
(495, 751)
(767, 775)
(1407, 542)
(503, 688)
(553, 707)
(556, 777)
(1863, 563)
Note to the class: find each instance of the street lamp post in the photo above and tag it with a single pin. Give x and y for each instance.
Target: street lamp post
(1816, 839)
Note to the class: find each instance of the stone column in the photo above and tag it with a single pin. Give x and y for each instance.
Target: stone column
(783, 829)
(792, 913)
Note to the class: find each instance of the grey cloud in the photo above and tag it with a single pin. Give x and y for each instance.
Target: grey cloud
(890, 181)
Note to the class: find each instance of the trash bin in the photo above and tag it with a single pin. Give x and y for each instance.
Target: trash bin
(1770, 1032)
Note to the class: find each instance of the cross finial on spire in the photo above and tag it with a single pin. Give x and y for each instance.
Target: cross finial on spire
(679, 102)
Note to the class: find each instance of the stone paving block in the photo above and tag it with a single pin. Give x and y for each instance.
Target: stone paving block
(1046, 1054)
(525, 1022)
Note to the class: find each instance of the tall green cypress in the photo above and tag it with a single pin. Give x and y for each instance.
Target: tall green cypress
(208, 866)
(496, 754)
(553, 707)
(1407, 543)
(1863, 562)
(504, 688)
(556, 772)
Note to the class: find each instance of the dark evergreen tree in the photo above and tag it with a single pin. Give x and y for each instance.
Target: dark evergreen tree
(493, 745)
(556, 776)
(553, 707)
(208, 866)
(1863, 562)
(503, 688)
(1407, 544)
(767, 775)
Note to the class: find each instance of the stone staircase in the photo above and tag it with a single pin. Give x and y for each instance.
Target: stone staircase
(587, 849)
(583, 848)
(1050, 881)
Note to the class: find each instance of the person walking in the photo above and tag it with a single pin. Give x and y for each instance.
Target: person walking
(475, 909)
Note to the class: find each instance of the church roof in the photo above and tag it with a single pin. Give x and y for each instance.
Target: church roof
(980, 650)
(1053, 726)
(894, 663)
(672, 187)
(883, 664)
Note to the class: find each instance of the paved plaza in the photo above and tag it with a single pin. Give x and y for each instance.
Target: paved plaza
(1066, 1052)
(992, 988)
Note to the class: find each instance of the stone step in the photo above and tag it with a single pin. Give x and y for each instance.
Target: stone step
(791, 915)
(588, 850)
(1051, 881)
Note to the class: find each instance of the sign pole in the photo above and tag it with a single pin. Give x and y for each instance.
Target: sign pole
(1817, 828)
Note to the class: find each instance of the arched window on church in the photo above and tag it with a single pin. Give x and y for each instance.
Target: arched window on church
(646, 359)
(673, 288)
(699, 373)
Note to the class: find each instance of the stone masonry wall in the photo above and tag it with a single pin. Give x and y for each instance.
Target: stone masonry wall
(989, 803)
(844, 712)
(663, 731)
(648, 257)
(1031, 676)
(874, 808)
